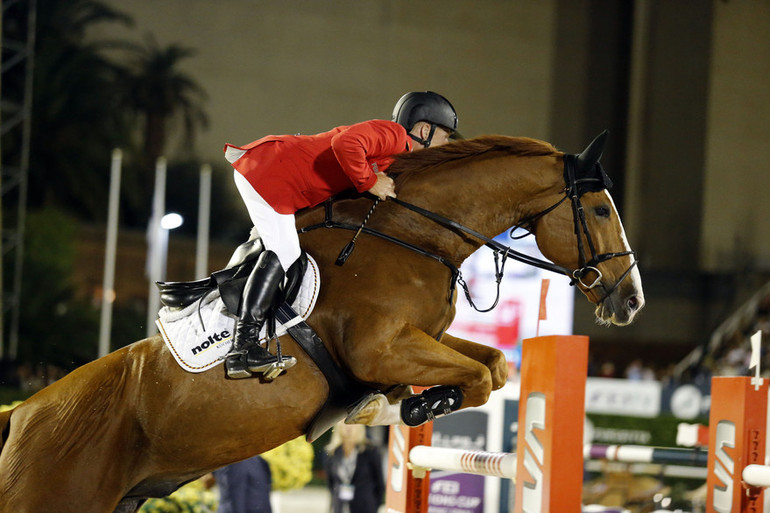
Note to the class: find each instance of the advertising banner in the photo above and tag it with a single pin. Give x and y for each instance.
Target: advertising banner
(454, 492)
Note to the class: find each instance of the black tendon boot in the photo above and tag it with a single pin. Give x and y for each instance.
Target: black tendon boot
(431, 403)
(247, 356)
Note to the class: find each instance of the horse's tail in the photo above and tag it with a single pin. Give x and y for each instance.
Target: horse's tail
(5, 426)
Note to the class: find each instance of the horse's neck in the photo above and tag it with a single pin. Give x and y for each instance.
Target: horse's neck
(488, 197)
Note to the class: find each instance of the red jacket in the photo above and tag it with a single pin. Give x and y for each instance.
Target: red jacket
(296, 171)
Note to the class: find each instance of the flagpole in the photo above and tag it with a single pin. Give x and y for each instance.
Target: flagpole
(108, 284)
(756, 354)
(542, 314)
(154, 250)
(204, 213)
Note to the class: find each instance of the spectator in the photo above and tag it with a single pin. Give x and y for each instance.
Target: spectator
(244, 487)
(634, 370)
(607, 370)
(354, 471)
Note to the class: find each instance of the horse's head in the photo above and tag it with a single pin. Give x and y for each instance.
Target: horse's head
(583, 233)
(491, 182)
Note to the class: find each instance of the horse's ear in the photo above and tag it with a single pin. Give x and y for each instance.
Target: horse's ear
(591, 155)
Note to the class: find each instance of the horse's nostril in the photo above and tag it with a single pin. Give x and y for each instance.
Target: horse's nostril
(633, 303)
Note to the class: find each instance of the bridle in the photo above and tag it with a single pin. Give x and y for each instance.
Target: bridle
(574, 188)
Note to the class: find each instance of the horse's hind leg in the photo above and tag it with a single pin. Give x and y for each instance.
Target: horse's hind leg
(414, 357)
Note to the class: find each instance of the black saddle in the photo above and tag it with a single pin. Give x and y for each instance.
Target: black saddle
(230, 280)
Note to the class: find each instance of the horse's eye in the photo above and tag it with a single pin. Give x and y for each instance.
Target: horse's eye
(602, 211)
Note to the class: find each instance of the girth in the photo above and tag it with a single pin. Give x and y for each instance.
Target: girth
(344, 391)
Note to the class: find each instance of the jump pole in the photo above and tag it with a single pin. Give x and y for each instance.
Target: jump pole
(757, 475)
(550, 438)
(497, 464)
(646, 454)
(503, 464)
(737, 434)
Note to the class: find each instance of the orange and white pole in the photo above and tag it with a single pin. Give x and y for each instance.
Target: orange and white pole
(405, 492)
(549, 461)
(551, 415)
(737, 433)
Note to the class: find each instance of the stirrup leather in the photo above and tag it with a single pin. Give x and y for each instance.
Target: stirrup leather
(271, 366)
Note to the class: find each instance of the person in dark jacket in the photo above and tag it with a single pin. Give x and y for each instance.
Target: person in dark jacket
(354, 471)
(244, 487)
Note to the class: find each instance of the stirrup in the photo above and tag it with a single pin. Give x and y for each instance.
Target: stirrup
(261, 360)
(269, 365)
(275, 369)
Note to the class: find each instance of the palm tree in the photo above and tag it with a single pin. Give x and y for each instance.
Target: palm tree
(75, 122)
(158, 94)
(74, 126)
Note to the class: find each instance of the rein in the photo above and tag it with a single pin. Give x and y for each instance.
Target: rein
(497, 248)
(572, 193)
(328, 222)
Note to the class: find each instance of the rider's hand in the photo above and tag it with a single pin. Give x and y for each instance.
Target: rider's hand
(384, 187)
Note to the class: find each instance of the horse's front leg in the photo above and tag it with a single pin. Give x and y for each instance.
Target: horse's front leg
(414, 357)
(493, 358)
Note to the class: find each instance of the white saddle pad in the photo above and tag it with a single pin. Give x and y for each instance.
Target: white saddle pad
(200, 335)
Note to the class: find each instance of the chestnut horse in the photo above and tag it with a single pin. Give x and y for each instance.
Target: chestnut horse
(133, 424)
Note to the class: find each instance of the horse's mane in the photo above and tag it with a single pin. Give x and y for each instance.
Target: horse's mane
(478, 147)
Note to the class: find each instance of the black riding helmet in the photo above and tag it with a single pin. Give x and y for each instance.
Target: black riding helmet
(425, 106)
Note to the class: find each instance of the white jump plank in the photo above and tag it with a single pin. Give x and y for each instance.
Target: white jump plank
(757, 475)
(471, 462)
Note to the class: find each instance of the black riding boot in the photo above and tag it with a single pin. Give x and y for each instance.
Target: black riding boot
(247, 356)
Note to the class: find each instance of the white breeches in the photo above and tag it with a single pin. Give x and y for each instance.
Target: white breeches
(278, 231)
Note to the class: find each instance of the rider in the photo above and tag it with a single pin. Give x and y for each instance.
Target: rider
(278, 175)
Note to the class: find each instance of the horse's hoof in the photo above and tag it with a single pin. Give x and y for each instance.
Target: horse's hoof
(365, 412)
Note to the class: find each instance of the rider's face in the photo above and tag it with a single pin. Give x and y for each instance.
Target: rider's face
(422, 130)
(440, 137)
